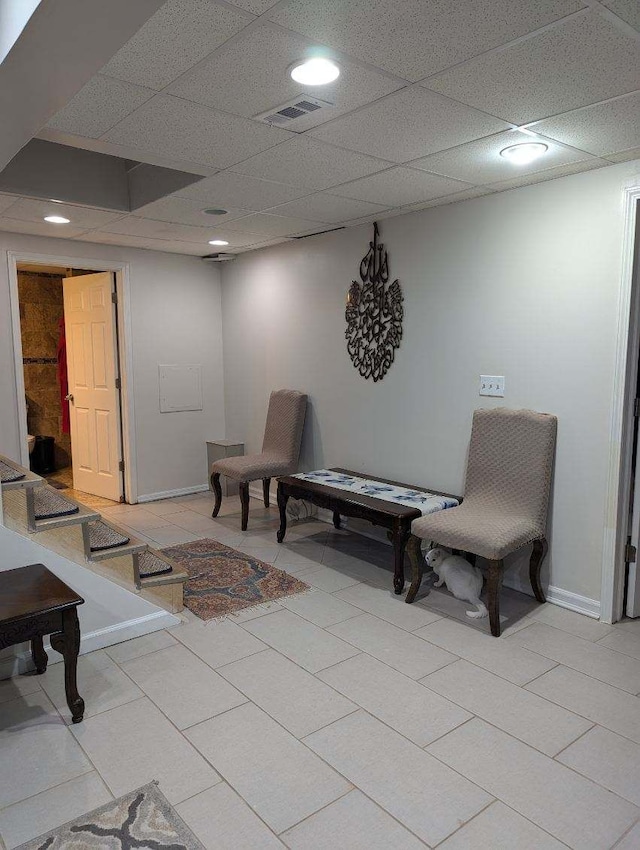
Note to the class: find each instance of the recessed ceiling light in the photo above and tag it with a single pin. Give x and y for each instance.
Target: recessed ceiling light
(524, 153)
(315, 72)
(215, 212)
(218, 242)
(56, 219)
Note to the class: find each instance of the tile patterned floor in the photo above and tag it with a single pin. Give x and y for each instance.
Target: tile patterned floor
(341, 719)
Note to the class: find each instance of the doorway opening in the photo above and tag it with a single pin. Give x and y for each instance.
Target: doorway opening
(68, 353)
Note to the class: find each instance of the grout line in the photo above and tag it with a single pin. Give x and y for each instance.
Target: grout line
(571, 743)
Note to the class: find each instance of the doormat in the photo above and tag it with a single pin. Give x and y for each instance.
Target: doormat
(142, 818)
(223, 580)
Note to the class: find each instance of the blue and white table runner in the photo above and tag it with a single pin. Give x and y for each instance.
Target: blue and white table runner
(426, 503)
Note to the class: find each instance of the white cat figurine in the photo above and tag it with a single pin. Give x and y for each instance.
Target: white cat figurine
(461, 578)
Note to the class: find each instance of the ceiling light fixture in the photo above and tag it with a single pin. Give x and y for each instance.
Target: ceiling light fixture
(525, 153)
(315, 72)
(215, 212)
(218, 242)
(56, 219)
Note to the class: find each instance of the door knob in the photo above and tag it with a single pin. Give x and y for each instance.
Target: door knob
(69, 397)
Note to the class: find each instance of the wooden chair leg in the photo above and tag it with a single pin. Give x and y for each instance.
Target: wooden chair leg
(539, 553)
(266, 484)
(494, 585)
(244, 501)
(416, 560)
(217, 489)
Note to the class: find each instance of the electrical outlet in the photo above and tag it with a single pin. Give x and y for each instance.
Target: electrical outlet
(492, 385)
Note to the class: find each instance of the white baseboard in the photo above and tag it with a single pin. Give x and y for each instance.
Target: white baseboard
(170, 494)
(119, 632)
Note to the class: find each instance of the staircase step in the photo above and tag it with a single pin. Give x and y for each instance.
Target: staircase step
(10, 473)
(168, 571)
(151, 564)
(108, 541)
(48, 504)
(79, 515)
(16, 477)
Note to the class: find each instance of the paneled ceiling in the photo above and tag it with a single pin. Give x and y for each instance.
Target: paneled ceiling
(430, 92)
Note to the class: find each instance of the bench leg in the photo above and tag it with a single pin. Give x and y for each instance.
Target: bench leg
(39, 656)
(67, 643)
(494, 586)
(416, 560)
(336, 519)
(244, 502)
(399, 543)
(217, 489)
(266, 484)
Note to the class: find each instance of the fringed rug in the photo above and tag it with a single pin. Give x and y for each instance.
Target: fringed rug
(142, 818)
(223, 580)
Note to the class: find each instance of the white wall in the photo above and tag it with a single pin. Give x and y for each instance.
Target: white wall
(522, 284)
(176, 318)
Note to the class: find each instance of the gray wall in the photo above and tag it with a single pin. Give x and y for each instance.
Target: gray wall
(522, 284)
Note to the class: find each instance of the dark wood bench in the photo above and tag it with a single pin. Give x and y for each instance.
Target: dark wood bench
(33, 603)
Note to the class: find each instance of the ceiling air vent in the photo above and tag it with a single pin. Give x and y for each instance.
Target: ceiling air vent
(289, 112)
(218, 258)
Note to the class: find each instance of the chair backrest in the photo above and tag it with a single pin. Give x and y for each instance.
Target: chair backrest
(511, 462)
(285, 421)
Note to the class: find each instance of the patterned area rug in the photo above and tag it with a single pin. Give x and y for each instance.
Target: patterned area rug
(142, 818)
(224, 580)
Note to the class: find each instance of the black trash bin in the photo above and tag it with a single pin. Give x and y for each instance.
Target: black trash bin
(43, 456)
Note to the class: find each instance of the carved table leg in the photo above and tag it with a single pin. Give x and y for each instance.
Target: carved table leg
(400, 537)
(243, 487)
(538, 555)
(494, 585)
(39, 656)
(416, 560)
(217, 489)
(67, 643)
(336, 519)
(266, 484)
(283, 498)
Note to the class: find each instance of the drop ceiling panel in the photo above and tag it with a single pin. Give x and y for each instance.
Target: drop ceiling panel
(628, 10)
(98, 106)
(399, 186)
(603, 129)
(231, 189)
(250, 77)
(6, 201)
(189, 132)
(414, 38)
(181, 33)
(257, 7)
(550, 174)
(264, 225)
(102, 238)
(186, 211)
(454, 198)
(151, 229)
(328, 208)
(32, 209)
(624, 156)
(429, 123)
(480, 161)
(40, 228)
(307, 162)
(582, 61)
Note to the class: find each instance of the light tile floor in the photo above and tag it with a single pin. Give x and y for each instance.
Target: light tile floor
(341, 719)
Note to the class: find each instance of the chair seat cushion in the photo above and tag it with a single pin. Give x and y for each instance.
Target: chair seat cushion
(489, 534)
(252, 467)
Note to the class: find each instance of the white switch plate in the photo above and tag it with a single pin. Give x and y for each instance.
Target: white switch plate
(492, 385)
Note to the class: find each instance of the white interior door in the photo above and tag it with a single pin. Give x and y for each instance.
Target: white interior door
(94, 401)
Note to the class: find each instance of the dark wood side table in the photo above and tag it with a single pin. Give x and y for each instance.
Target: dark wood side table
(33, 603)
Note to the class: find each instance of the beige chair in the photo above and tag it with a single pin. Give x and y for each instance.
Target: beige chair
(279, 456)
(505, 502)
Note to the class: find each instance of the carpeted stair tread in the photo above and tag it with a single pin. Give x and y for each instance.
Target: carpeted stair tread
(150, 564)
(48, 504)
(9, 473)
(103, 536)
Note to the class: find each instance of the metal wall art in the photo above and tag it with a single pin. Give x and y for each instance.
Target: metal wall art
(374, 314)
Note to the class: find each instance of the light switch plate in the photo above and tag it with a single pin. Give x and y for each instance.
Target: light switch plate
(492, 385)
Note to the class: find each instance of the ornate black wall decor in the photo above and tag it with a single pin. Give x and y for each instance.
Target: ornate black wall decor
(374, 314)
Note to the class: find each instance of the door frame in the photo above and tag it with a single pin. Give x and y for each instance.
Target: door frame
(125, 352)
(618, 492)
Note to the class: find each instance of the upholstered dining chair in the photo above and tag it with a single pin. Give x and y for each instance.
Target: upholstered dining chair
(279, 456)
(505, 504)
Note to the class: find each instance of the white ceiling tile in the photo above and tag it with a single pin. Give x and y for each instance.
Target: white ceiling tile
(98, 106)
(327, 208)
(147, 228)
(413, 38)
(173, 127)
(581, 61)
(187, 211)
(257, 7)
(628, 10)
(6, 201)
(249, 76)
(281, 240)
(102, 238)
(399, 186)
(428, 122)
(231, 189)
(549, 174)
(307, 162)
(602, 129)
(39, 228)
(181, 33)
(454, 198)
(265, 225)
(34, 209)
(624, 156)
(480, 161)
